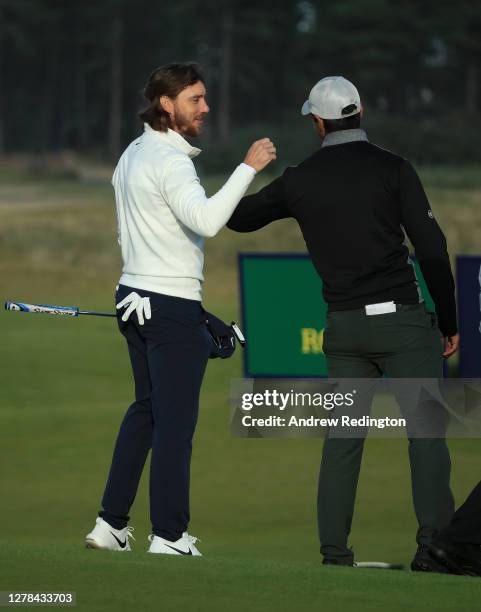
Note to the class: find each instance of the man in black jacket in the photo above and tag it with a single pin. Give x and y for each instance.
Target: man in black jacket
(352, 201)
(458, 546)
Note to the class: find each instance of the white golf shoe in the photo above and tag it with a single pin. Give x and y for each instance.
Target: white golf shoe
(105, 537)
(183, 546)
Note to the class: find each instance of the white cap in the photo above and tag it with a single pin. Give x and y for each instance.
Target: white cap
(330, 96)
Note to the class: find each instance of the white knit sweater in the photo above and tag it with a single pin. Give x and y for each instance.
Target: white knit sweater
(163, 213)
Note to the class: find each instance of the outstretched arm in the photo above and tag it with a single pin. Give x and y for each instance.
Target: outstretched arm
(186, 196)
(256, 211)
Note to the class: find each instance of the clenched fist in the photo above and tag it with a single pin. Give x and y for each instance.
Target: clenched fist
(261, 153)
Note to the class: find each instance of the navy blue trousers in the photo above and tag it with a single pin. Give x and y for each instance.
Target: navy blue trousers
(168, 354)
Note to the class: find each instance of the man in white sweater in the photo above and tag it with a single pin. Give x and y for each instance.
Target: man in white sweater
(163, 217)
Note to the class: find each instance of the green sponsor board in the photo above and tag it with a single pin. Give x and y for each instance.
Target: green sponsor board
(284, 315)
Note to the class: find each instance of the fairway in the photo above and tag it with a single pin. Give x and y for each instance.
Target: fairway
(226, 582)
(65, 385)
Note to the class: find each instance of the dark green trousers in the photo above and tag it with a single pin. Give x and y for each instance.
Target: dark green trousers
(402, 344)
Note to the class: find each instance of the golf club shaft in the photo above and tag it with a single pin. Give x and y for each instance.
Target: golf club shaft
(97, 314)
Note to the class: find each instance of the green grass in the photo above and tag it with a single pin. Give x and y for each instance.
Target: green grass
(64, 385)
(230, 582)
(463, 178)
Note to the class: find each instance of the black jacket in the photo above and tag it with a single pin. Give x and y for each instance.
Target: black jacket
(352, 201)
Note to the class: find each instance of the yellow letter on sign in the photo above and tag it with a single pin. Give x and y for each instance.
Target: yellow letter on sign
(311, 340)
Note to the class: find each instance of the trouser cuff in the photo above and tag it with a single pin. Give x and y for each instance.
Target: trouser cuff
(117, 522)
(343, 556)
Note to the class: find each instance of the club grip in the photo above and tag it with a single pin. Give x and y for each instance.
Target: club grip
(42, 308)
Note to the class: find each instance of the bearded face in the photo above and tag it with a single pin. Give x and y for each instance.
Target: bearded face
(188, 123)
(189, 110)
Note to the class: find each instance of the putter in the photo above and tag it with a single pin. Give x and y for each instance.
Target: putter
(71, 311)
(379, 565)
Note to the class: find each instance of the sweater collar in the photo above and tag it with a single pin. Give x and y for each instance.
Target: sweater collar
(174, 139)
(344, 136)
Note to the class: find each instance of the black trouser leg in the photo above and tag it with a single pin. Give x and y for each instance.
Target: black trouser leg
(429, 457)
(134, 439)
(340, 467)
(177, 371)
(432, 497)
(338, 478)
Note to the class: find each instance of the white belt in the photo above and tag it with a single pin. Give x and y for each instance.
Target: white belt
(382, 308)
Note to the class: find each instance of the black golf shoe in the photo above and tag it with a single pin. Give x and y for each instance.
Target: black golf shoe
(460, 559)
(424, 562)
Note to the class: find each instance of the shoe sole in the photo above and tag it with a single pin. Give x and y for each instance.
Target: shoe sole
(93, 545)
(161, 552)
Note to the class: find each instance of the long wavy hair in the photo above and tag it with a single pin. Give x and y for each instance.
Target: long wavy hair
(168, 80)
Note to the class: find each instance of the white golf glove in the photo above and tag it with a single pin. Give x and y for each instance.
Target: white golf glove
(134, 302)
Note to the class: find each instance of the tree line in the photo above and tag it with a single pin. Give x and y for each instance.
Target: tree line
(71, 72)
